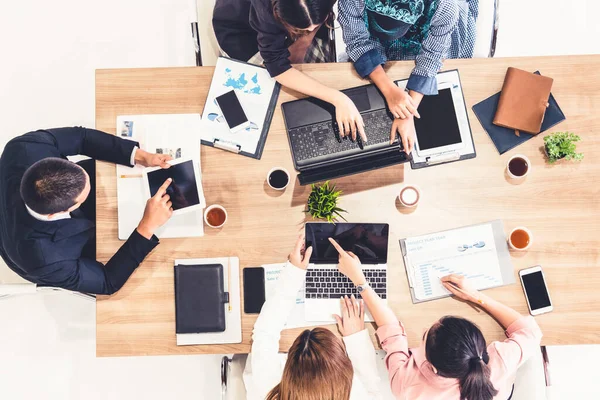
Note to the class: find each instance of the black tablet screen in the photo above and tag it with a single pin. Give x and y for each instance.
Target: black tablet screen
(368, 241)
(438, 125)
(182, 190)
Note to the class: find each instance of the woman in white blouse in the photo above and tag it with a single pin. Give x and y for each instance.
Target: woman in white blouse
(319, 365)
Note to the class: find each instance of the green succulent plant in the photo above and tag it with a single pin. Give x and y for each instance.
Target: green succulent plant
(562, 145)
(322, 202)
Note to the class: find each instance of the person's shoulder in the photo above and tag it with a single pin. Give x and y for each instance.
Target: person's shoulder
(447, 12)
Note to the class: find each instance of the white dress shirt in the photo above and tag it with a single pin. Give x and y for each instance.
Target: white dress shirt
(264, 366)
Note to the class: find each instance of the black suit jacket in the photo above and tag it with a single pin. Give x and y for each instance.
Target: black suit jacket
(50, 252)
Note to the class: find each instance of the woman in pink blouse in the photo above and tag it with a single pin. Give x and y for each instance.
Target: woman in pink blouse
(453, 361)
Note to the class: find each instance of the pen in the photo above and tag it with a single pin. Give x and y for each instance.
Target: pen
(229, 281)
(463, 292)
(131, 176)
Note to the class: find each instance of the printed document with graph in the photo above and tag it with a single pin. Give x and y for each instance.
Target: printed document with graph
(471, 252)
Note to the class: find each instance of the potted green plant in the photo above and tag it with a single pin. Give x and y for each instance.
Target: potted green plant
(322, 202)
(561, 145)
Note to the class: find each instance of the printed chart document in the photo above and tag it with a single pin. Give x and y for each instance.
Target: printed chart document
(296, 318)
(175, 134)
(257, 93)
(469, 251)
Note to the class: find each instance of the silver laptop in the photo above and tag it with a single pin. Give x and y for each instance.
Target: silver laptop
(325, 285)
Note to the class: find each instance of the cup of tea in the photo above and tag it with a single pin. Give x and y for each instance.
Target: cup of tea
(520, 238)
(518, 166)
(409, 196)
(215, 216)
(278, 178)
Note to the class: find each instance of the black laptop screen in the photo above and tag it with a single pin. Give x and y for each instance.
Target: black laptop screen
(368, 241)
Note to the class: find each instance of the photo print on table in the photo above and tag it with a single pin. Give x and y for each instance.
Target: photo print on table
(175, 153)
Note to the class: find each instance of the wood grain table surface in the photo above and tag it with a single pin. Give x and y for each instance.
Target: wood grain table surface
(559, 203)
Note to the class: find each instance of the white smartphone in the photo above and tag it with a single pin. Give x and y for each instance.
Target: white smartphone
(536, 291)
(232, 111)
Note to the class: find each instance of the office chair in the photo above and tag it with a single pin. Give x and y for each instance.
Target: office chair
(19, 289)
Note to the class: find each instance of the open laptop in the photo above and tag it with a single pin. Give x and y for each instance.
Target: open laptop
(325, 285)
(317, 149)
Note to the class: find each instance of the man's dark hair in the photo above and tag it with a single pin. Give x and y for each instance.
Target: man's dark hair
(51, 185)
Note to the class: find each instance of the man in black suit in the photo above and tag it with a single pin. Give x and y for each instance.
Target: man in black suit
(47, 209)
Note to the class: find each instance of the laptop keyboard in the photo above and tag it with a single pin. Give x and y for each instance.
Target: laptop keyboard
(331, 284)
(324, 138)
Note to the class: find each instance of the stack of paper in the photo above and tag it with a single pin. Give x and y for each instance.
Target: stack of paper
(175, 134)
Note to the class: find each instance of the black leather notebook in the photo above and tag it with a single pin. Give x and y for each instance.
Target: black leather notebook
(200, 298)
(504, 138)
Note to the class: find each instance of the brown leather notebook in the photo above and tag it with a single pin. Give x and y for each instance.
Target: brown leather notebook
(523, 101)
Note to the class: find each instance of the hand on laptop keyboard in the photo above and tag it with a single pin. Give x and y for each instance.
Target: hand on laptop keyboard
(406, 129)
(348, 119)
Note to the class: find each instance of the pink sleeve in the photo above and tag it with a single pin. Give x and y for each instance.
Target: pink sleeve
(394, 342)
(524, 338)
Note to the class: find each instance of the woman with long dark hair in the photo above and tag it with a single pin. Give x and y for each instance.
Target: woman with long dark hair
(454, 361)
(319, 365)
(285, 32)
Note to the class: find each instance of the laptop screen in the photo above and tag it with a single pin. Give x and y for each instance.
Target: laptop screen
(368, 241)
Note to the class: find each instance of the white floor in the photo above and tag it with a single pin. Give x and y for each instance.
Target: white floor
(49, 53)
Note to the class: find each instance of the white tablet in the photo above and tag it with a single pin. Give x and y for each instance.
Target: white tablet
(185, 190)
(438, 130)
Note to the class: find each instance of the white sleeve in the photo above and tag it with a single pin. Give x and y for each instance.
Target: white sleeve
(362, 355)
(263, 367)
(132, 157)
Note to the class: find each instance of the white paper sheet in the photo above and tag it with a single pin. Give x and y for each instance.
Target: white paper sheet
(296, 318)
(254, 88)
(469, 251)
(175, 134)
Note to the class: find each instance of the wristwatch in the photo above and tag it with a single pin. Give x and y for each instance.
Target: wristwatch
(363, 287)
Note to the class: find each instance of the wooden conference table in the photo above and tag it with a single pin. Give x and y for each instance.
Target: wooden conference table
(560, 204)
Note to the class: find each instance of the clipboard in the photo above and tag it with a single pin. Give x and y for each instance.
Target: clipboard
(224, 140)
(469, 151)
(502, 252)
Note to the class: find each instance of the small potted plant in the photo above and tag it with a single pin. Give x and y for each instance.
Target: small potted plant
(322, 202)
(561, 145)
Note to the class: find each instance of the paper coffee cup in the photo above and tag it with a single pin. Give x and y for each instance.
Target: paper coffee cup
(409, 196)
(215, 216)
(521, 234)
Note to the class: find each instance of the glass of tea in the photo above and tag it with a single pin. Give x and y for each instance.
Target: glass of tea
(409, 196)
(518, 166)
(215, 216)
(520, 238)
(278, 178)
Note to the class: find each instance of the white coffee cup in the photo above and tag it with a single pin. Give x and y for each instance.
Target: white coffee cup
(208, 210)
(409, 196)
(282, 170)
(527, 166)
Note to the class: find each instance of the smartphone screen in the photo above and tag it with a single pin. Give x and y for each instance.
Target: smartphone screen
(536, 290)
(232, 109)
(254, 290)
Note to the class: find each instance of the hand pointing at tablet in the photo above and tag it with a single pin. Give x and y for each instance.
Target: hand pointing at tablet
(146, 159)
(158, 211)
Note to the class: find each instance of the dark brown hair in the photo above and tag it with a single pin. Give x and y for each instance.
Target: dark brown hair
(51, 185)
(317, 368)
(298, 15)
(457, 349)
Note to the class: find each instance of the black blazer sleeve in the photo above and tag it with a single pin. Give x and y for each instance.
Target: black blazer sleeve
(83, 141)
(91, 276)
(271, 37)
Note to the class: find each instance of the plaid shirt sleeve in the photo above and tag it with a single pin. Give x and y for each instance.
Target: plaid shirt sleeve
(434, 48)
(366, 53)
